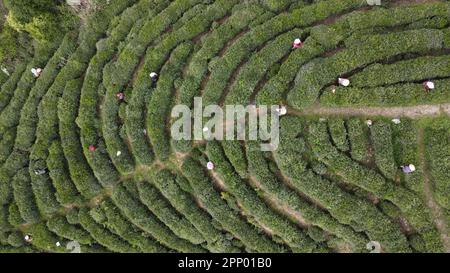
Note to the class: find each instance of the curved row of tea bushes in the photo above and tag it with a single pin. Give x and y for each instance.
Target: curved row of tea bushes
(220, 211)
(296, 239)
(259, 167)
(351, 172)
(335, 200)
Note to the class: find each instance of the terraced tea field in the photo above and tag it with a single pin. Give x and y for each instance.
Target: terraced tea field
(80, 163)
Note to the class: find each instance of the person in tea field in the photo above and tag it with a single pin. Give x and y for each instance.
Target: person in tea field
(40, 171)
(154, 77)
(297, 43)
(408, 168)
(344, 82)
(428, 86)
(36, 72)
(120, 96)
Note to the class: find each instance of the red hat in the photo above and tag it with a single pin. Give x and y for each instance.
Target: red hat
(92, 148)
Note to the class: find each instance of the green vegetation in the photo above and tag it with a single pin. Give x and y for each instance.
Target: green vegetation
(79, 162)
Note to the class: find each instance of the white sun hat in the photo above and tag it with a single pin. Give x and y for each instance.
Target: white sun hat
(210, 165)
(205, 129)
(396, 121)
(297, 41)
(58, 244)
(118, 153)
(153, 74)
(430, 85)
(412, 167)
(344, 82)
(369, 122)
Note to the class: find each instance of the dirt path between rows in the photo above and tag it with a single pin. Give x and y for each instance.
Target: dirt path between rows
(436, 210)
(413, 112)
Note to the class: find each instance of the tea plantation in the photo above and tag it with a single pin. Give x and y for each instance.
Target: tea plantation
(79, 163)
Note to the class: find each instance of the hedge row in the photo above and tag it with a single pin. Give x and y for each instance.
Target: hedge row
(316, 75)
(121, 226)
(14, 217)
(102, 235)
(402, 94)
(220, 211)
(14, 239)
(98, 214)
(87, 119)
(18, 159)
(235, 153)
(47, 112)
(134, 121)
(259, 167)
(26, 135)
(257, 66)
(60, 226)
(162, 209)
(66, 191)
(162, 99)
(351, 172)
(212, 44)
(325, 37)
(132, 20)
(359, 140)
(381, 139)
(139, 215)
(437, 143)
(159, 104)
(111, 129)
(135, 127)
(340, 204)
(23, 195)
(80, 172)
(8, 87)
(414, 70)
(185, 204)
(398, 16)
(338, 132)
(99, 161)
(197, 72)
(44, 239)
(222, 69)
(7, 144)
(10, 115)
(26, 130)
(123, 69)
(249, 201)
(4, 224)
(405, 141)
